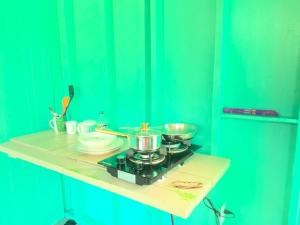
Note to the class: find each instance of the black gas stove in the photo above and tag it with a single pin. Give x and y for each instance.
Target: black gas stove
(145, 169)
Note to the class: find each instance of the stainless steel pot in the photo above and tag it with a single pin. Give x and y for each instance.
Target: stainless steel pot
(178, 131)
(144, 140)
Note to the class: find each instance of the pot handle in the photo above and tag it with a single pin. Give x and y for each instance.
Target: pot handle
(144, 127)
(111, 132)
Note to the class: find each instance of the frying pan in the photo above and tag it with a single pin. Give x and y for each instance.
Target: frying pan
(178, 131)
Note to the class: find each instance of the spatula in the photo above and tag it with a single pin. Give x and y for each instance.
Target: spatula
(71, 95)
(65, 102)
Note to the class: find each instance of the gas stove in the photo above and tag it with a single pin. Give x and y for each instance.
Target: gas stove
(145, 169)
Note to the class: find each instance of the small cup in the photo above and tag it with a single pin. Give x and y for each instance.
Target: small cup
(71, 127)
(58, 124)
(86, 126)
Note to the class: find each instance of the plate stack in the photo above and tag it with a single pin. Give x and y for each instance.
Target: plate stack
(95, 143)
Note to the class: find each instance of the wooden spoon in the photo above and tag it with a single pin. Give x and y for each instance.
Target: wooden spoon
(65, 102)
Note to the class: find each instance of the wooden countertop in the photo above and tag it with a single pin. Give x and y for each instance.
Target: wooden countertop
(57, 152)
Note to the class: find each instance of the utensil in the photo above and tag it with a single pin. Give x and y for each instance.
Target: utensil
(104, 131)
(144, 140)
(71, 95)
(71, 92)
(54, 114)
(178, 131)
(141, 139)
(65, 102)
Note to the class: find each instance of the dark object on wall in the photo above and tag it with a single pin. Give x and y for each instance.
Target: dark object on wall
(70, 222)
(71, 95)
(258, 112)
(71, 91)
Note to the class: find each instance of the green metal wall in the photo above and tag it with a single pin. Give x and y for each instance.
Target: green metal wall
(30, 67)
(156, 61)
(135, 74)
(134, 60)
(259, 69)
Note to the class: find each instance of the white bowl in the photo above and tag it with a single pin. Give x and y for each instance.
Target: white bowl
(95, 139)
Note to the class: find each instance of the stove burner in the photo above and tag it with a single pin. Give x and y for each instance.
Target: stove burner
(147, 159)
(181, 148)
(171, 144)
(145, 169)
(175, 147)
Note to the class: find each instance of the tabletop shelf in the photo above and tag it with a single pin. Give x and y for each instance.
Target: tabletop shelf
(270, 119)
(58, 152)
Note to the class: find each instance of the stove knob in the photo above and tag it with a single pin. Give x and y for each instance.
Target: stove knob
(130, 153)
(139, 166)
(121, 160)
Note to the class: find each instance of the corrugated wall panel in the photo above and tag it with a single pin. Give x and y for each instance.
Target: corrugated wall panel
(30, 78)
(150, 60)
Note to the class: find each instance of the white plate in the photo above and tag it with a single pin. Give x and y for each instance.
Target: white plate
(101, 150)
(95, 139)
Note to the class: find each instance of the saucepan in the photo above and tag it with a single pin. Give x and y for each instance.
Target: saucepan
(142, 139)
(178, 131)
